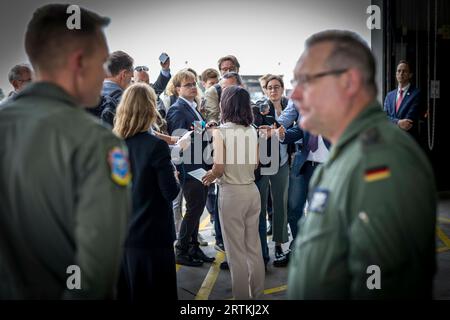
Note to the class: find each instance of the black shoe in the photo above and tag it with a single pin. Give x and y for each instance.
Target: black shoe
(269, 229)
(187, 260)
(219, 247)
(198, 254)
(282, 261)
(279, 252)
(224, 266)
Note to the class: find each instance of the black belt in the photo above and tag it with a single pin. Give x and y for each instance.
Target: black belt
(313, 163)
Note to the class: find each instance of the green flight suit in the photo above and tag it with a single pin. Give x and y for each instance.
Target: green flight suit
(373, 203)
(65, 199)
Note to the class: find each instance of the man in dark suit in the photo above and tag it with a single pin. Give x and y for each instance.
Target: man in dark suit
(180, 117)
(402, 104)
(120, 69)
(312, 152)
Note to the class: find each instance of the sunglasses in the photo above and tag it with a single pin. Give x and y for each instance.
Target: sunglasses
(141, 68)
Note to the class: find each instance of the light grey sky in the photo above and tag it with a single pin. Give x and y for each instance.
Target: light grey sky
(266, 36)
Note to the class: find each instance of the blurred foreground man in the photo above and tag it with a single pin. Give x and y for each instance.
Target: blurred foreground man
(63, 177)
(369, 232)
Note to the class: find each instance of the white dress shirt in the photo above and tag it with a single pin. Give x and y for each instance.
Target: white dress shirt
(321, 154)
(193, 105)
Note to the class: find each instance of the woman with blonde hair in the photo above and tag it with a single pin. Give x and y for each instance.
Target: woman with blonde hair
(148, 269)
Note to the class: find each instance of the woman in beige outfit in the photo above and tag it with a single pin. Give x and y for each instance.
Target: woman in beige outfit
(235, 159)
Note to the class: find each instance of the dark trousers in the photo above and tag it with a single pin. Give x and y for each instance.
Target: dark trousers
(269, 205)
(148, 274)
(298, 194)
(211, 200)
(195, 194)
(217, 227)
(212, 205)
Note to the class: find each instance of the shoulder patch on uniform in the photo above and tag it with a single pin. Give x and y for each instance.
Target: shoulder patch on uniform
(377, 173)
(370, 137)
(318, 201)
(120, 167)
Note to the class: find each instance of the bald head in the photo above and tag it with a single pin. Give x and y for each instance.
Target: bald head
(141, 76)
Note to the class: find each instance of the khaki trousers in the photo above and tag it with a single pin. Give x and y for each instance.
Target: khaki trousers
(239, 207)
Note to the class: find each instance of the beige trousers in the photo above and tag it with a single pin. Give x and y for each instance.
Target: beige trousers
(239, 207)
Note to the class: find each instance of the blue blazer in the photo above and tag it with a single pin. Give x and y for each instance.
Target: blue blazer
(180, 116)
(294, 134)
(409, 108)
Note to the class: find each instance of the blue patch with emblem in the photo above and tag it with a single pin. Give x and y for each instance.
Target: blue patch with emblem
(120, 168)
(318, 200)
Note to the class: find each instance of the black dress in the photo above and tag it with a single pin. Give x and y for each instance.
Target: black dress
(148, 270)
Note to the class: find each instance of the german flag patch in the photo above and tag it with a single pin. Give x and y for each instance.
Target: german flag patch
(378, 173)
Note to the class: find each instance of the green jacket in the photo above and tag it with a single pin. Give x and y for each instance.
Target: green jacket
(64, 198)
(372, 203)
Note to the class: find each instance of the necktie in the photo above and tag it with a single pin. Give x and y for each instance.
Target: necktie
(313, 143)
(399, 100)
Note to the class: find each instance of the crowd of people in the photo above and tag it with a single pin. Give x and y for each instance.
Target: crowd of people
(97, 164)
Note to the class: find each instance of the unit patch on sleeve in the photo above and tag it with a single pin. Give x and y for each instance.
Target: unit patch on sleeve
(120, 167)
(318, 200)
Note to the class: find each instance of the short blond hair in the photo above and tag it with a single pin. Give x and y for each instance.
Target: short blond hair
(183, 75)
(136, 111)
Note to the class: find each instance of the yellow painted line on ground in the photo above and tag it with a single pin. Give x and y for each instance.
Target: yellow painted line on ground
(272, 290)
(211, 278)
(275, 290)
(443, 237)
(177, 267)
(445, 220)
(442, 249)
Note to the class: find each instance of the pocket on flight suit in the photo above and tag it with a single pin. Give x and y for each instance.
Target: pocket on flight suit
(374, 243)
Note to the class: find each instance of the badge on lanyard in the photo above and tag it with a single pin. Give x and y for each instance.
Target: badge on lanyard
(120, 167)
(318, 200)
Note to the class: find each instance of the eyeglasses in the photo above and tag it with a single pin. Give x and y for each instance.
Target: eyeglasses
(24, 80)
(305, 79)
(275, 88)
(141, 68)
(190, 85)
(226, 69)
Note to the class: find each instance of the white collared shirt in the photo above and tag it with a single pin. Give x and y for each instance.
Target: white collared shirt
(193, 105)
(284, 157)
(404, 89)
(321, 154)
